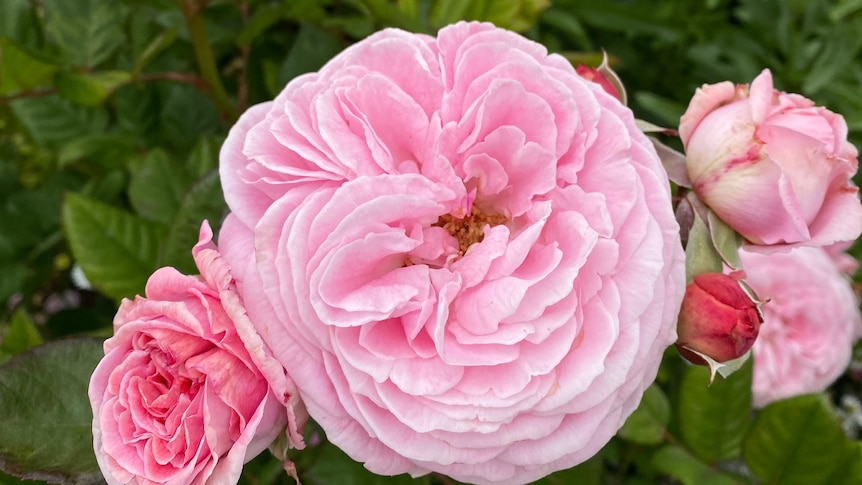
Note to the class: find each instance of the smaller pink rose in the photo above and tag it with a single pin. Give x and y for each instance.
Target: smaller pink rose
(771, 164)
(187, 392)
(810, 322)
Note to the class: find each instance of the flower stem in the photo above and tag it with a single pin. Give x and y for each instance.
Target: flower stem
(206, 61)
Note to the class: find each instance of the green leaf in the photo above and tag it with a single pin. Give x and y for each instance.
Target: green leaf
(105, 151)
(725, 239)
(20, 71)
(263, 18)
(678, 463)
(46, 430)
(589, 472)
(797, 440)
(157, 187)
(89, 89)
(186, 114)
(333, 466)
(647, 424)
(117, 250)
(22, 334)
(86, 31)
(713, 418)
(12, 278)
(18, 21)
(52, 120)
(204, 156)
(203, 201)
(700, 254)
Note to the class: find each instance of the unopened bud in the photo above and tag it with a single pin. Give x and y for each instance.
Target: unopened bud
(718, 319)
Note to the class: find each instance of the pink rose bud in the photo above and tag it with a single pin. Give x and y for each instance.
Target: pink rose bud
(772, 165)
(596, 76)
(717, 319)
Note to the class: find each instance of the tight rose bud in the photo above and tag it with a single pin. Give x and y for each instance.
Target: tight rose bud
(717, 319)
(772, 165)
(595, 75)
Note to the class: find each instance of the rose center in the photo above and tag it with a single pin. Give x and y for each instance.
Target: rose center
(469, 230)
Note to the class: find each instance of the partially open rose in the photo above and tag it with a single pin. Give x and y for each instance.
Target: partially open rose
(463, 251)
(187, 392)
(810, 322)
(771, 164)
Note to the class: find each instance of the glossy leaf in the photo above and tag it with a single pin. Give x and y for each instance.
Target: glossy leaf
(797, 441)
(52, 120)
(86, 31)
(90, 89)
(678, 463)
(713, 418)
(647, 424)
(21, 71)
(117, 250)
(204, 200)
(157, 187)
(46, 430)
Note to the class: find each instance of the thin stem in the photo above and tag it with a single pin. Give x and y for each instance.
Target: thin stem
(33, 93)
(204, 55)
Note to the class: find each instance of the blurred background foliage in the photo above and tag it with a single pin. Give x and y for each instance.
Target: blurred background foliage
(112, 113)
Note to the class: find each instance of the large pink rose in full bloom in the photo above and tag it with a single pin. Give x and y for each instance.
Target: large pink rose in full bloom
(810, 322)
(187, 392)
(463, 252)
(771, 164)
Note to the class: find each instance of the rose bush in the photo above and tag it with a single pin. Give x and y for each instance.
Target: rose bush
(771, 164)
(187, 392)
(810, 322)
(463, 251)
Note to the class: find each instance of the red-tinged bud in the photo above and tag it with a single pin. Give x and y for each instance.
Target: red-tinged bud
(596, 76)
(718, 319)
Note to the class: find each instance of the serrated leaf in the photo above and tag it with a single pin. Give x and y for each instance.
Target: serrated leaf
(797, 441)
(108, 151)
(676, 462)
(647, 424)
(52, 120)
(46, 430)
(186, 114)
(713, 418)
(204, 200)
(158, 186)
(20, 71)
(117, 250)
(22, 334)
(86, 31)
(89, 89)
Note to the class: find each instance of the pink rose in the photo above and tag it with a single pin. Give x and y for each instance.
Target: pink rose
(464, 252)
(810, 322)
(772, 165)
(187, 392)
